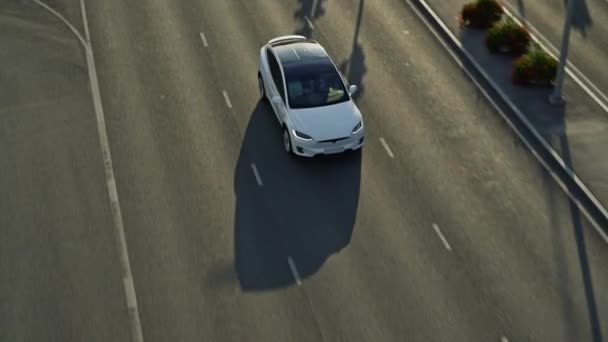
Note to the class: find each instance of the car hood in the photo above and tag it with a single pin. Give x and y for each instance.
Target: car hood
(327, 122)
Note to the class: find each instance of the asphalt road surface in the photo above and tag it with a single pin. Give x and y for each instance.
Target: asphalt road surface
(59, 270)
(443, 228)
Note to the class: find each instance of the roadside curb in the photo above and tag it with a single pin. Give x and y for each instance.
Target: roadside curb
(536, 144)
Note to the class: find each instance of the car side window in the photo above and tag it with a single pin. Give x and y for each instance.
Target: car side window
(275, 70)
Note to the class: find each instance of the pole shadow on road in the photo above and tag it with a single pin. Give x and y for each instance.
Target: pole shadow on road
(581, 19)
(579, 235)
(521, 8)
(311, 9)
(550, 122)
(306, 208)
(354, 67)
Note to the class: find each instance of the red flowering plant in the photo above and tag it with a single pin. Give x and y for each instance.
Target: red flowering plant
(536, 67)
(481, 13)
(507, 36)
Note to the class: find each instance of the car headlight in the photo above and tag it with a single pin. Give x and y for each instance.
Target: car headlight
(358, 127)
(301, 135)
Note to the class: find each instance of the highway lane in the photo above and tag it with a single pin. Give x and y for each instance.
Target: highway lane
(479, 172)
(175, 145)
(209, 246)
(59, 270)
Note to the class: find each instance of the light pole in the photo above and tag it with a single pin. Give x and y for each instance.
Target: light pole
(556, 97)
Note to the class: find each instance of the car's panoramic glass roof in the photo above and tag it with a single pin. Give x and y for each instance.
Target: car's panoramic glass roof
(300, 52)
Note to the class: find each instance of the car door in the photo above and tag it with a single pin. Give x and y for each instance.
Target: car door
(277, 88)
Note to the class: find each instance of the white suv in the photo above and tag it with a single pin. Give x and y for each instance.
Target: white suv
(310, 98)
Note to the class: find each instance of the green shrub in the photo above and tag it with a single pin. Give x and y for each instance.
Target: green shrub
(535, 67)
(481, 13)
(508, 35)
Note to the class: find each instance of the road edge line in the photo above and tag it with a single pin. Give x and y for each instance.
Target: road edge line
(127, 277)
(65, 21)
(119, 230)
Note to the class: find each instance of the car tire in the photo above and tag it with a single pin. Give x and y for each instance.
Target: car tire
(261, 88)
(287, 146)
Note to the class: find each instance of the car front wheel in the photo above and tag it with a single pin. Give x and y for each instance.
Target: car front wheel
(287, 142)
(261, 88)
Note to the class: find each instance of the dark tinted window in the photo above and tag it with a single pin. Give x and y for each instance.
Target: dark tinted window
(314, 85)
(275, 70)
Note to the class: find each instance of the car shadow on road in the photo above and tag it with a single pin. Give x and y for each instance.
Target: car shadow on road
(305, 209)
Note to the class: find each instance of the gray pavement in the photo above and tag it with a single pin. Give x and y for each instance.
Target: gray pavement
(59, 271)
(209, 247)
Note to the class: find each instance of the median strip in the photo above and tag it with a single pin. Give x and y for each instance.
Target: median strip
(539, 147)
(585, 83)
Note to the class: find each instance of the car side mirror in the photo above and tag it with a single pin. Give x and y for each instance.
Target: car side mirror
(352, 89)
(276, 100)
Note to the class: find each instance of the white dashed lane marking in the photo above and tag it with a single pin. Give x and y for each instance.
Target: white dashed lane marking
(258, 179)
(443, 239)
(227, 99)
(294, 271)
(204, 40)
(387, 148)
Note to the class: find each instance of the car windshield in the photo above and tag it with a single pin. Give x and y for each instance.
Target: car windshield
(314, 85)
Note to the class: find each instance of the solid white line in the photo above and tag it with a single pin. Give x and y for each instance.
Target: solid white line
(227, 99)
(119, 230)
(516, 110)
(443, 239)
(571, 68)
(294, 271)
(204, 39)
(64, 20)
(504, 339)
(85, 20)
(258, 179)
(387, 148)
(312, 27)
(129, 288)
